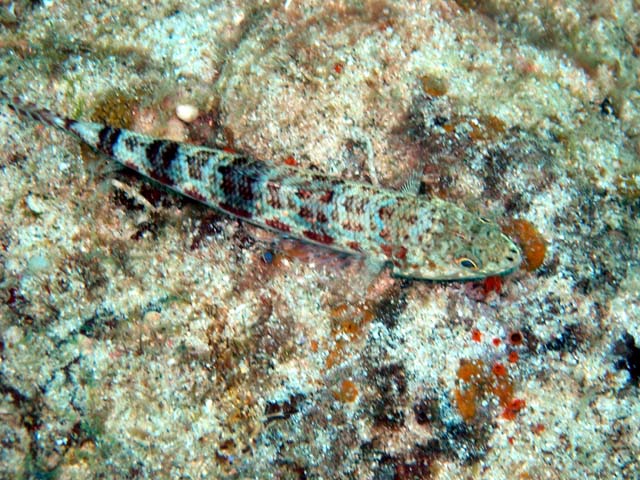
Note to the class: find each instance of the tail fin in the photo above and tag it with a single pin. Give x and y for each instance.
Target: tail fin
(96, 135)
(34, 112)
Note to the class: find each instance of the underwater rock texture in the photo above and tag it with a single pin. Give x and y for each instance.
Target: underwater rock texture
(146, 336)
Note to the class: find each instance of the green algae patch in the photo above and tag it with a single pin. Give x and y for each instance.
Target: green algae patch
(117, 108)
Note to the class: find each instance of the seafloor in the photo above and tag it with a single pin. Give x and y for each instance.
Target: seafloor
(146, 336)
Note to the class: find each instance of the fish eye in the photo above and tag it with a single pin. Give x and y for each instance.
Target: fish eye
(466, 262)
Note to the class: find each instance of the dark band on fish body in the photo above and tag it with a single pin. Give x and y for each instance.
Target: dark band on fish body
(161, 154)
(107, 139)
(241, 179)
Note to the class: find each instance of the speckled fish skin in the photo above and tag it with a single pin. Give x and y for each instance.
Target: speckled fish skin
(418, 237)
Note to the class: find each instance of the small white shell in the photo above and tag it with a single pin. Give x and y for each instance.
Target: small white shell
(187, 113)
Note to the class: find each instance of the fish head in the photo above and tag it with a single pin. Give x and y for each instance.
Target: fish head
(453, 244)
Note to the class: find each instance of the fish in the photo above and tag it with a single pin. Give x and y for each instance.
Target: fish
(416, 237)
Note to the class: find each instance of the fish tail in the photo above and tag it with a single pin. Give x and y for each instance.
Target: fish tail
(98, 136)
(34, 112)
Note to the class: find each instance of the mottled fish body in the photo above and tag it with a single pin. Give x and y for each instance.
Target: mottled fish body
(418, 237)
